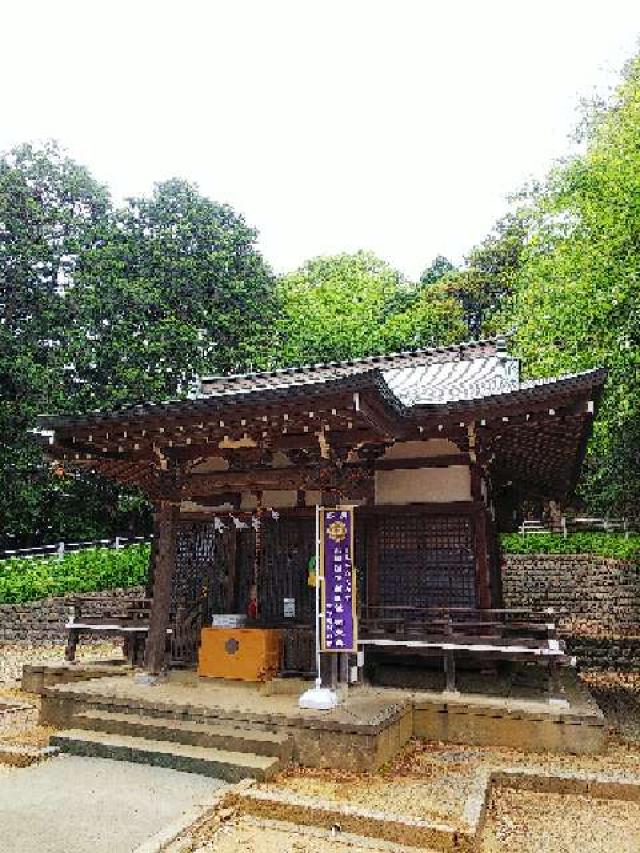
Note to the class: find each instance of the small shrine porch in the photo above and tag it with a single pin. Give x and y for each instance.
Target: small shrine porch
(435, 448)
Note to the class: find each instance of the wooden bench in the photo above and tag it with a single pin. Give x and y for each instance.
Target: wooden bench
(513, 635)
(124, 617)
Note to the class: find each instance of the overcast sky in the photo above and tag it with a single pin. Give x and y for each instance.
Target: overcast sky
(395, 126)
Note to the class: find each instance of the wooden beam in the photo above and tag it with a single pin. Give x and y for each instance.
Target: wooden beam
(423, 462)
(166, 525)
(375, 415)
(230, 481)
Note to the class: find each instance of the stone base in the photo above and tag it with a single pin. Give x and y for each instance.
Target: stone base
(500, 727)
(35, 678)
(364, 732)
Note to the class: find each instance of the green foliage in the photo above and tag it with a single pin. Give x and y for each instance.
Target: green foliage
(50, 210)
(601, 544)
(86, 571)
(437, 269)
(576, 293)
(101, 308)
(176, 289)
(490, 273)
(345, 306)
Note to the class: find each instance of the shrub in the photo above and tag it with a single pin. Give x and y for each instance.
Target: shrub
(602, 544)
(84, 571)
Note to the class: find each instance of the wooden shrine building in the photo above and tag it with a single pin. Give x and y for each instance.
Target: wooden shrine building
(436, 447)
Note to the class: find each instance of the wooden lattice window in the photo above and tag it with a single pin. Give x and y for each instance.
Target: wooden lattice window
(426, 561)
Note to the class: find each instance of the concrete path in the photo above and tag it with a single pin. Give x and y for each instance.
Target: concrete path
(92, 805)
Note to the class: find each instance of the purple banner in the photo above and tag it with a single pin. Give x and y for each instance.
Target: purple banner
(338, 590)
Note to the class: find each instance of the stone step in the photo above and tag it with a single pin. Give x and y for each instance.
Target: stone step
(219, 763)
(224, 736)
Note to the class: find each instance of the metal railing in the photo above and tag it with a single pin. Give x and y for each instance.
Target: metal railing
(61, 548)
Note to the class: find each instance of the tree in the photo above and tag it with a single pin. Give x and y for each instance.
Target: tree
(344, 306)
(437, 269)
(49, 209)
(576, 290)
(487, 279)
(104, 307)
(176, 289)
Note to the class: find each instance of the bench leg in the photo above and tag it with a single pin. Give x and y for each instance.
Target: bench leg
(72, 644)
(450, 672)
(556, 688)
(129, 648)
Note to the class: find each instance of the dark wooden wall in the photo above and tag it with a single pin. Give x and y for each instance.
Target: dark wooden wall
(420, 556)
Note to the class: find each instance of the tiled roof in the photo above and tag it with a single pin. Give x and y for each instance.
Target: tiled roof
(312, 374)
(452, 381)
(439, 378)
(419, 377)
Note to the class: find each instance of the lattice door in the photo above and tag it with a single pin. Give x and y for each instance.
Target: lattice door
(426, 561)
(203, 566)
(287, 545)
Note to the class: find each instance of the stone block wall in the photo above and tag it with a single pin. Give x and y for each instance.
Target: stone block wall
(44, 621)
(596, 599)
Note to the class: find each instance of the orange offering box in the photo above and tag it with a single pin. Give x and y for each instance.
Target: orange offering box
(246, 654)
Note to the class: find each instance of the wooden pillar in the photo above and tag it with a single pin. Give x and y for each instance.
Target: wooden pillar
(483, 580)
(166, 525)
(231, 577)
(152, 558)
(373, 597)
(481, 539)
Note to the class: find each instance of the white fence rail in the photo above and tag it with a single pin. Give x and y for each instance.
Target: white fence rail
(61, 548)
(565, 526)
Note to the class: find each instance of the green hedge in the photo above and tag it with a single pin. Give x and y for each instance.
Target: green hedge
(602, 544)
(106, 568)
(85, 571)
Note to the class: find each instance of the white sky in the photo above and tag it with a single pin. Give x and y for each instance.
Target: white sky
(394, 126)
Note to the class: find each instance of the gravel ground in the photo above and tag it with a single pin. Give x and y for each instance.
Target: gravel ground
(437, 793)
(524, 822)
(249, 835)
(618, 695)
(13, 656)
(428, 780)
(22, 728)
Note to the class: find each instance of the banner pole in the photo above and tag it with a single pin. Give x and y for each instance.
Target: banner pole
(319, 698)
(318, 676)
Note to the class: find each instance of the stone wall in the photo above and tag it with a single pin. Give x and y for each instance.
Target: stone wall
(44, 621)
(597, 601)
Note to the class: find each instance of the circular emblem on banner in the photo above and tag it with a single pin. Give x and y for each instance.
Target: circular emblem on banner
(337, 531)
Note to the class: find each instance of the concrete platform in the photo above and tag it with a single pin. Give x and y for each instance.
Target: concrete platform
(76, 805)
(362, 733)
